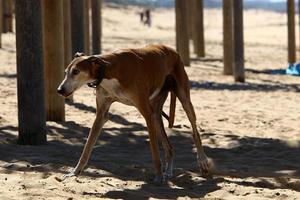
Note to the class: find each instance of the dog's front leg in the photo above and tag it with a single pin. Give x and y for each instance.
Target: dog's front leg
(103, 105)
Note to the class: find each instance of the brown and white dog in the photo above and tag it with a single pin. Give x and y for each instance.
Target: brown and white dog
(141, 78)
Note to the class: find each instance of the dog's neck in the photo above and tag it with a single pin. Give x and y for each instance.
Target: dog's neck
(99, 78)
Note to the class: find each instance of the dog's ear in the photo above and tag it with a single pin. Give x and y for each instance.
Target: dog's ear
(98, 61)
(98, 67)
(78, 54)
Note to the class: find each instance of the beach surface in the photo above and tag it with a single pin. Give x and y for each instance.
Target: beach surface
(252, 129)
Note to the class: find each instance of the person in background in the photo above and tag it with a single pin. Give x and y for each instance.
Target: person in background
(145, 17)
(142, 17)
(148, 17)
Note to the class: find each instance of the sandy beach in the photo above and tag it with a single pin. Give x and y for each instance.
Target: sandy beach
(252, 131)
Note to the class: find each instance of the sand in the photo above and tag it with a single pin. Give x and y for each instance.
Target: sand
(252, 130)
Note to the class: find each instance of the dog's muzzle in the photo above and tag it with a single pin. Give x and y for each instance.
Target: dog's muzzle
(61, 90)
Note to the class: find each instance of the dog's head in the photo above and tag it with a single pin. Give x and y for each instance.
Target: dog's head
(82, 70)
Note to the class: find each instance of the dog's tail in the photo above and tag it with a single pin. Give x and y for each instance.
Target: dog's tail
(172, 110)
(171, 116)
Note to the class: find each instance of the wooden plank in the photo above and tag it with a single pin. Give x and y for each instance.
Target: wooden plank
(30, 73)
(291, 31)
(96, 26)
(198, 28)
(239, 70)
(182, 38)
(227, 37)
(87, 26)
(77, 25)
(53, 44)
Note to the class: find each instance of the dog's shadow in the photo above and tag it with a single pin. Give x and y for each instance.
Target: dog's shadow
(124, 153)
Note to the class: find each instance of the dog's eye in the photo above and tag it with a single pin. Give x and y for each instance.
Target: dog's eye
(75, 71)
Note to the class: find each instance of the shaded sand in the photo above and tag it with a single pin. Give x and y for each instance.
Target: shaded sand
(252, 130)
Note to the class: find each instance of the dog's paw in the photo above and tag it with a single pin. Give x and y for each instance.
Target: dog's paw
(69, 175)
(203, 164)
(159, 180)
(168, 174)
(66, 176)
(72, 173)
(168, 169)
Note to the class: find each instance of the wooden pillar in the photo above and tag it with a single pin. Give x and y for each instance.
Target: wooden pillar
(96, 26)
(189, 18)
(67, 36)
(291, 31)
(77, 26)
(227, 37)
(53, 57)
(299, 16)
(198, 27)
(67, 32)
(1, 15)
(87, 26)
(4, 11)
(182, 38)
(238, 32)
(7, 16)
(30, 73)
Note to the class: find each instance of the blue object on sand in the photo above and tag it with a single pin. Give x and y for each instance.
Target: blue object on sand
(293, 69)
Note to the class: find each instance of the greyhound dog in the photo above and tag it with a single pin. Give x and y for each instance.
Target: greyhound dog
(137, 77)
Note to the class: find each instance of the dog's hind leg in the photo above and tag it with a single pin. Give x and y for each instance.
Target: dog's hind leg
(188, 107)
(182, 91)
(157, 104)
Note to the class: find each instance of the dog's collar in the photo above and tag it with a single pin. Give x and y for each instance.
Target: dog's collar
(97, 82)
(94, 84)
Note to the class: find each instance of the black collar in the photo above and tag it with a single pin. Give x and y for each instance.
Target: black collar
(97, 82)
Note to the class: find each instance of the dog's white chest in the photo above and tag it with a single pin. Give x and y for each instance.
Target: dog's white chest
(113, 88)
